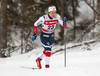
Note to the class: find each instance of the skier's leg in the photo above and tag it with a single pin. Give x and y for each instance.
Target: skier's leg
(47, 41)
(47, 61)
(44, 39)
(48, 50)
(38, 61)
(43, 54)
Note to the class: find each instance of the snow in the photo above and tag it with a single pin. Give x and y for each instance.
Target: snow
(85, 10)
(84, 63)
(80, 61)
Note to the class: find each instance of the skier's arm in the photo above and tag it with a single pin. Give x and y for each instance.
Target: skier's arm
(38, 22)
(61, 21)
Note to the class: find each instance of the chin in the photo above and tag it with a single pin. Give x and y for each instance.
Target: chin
(53, 16)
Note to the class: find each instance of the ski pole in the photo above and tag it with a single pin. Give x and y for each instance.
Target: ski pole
(65, 56)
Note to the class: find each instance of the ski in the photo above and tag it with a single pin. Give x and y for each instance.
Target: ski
(29, 67)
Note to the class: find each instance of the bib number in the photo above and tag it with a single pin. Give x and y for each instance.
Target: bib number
(50, 27)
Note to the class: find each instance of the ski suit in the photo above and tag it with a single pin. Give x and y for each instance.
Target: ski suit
(48, 28)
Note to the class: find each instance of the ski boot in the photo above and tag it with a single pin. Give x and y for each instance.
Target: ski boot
(46, 66)
(38, 61)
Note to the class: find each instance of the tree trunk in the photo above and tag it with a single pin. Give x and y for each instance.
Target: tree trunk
(73, 6)
(98, 8)
(21, 23)
(1, 34)
(94, 11)
(94, 15)
(4, 24)
(1, 37)
(9, 30)
(62, 8)
(61, 33)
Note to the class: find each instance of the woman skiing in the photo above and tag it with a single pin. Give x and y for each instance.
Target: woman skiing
(48, 22)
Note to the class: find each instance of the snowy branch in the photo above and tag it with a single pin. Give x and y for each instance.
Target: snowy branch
(88, 30)
(92, 7)
(77, 45)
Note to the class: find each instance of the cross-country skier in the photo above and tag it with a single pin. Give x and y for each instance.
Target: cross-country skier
(48, 22)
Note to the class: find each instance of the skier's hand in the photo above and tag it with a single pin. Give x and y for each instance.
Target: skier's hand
(65, 20)
(34, 36)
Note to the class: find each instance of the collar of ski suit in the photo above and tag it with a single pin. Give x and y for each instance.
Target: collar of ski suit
(50, 17)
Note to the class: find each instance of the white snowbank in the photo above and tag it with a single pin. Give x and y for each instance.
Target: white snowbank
(85, 63)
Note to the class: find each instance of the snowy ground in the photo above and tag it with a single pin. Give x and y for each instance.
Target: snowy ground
(83, 63)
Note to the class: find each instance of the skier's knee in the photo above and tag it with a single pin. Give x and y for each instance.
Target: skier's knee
(44, 51)
(48, 53)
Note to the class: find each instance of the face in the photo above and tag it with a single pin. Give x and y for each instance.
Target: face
(52, 14)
